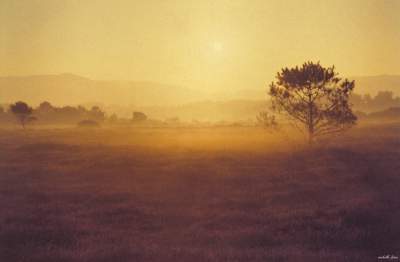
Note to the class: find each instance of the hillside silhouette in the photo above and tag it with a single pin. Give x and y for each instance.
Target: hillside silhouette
(66, 89)
(73, 89)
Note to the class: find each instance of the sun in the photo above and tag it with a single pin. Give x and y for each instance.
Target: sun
(217, 46)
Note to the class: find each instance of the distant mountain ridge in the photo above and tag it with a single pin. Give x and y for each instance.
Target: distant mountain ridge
(73, 89)
(65, 89)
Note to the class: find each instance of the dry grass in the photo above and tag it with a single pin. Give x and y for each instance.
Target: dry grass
(197, 195)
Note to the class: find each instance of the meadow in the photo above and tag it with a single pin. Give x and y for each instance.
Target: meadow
(198, 194)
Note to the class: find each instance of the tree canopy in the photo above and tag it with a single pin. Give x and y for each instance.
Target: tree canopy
(314, 98)
(23, 112)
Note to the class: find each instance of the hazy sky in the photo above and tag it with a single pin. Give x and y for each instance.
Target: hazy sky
(213, 45)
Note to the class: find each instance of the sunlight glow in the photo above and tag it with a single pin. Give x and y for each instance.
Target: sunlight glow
(217, 46)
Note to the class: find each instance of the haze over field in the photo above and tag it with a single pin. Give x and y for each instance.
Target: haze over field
(199, 130)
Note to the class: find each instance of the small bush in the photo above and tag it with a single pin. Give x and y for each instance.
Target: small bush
(88, 123)
(139, 117)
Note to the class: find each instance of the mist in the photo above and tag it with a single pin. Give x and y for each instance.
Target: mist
(185, 130)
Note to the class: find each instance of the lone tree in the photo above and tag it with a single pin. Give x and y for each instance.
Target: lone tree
(23, 112)
(315, 98)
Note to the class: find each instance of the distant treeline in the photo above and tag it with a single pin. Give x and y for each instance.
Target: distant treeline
(392, 113)
(46, 113)
(383, 105)
(383, 100)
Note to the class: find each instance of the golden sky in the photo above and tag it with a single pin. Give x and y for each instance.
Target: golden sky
(203, 44)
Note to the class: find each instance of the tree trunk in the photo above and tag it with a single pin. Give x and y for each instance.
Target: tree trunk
(310, 121)
(310, 137)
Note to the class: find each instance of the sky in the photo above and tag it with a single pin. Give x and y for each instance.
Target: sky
(211, 45)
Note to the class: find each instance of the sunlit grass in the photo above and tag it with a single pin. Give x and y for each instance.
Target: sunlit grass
(230, 194)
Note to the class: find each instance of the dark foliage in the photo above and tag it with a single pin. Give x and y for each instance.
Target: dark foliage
(50, 114)
(23, 112)
(139, 117)
(314, 97)
(88, 123)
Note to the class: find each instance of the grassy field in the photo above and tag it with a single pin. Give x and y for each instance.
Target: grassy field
(180, 194)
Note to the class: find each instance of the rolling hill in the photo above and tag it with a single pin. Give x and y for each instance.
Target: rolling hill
(72, 89)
